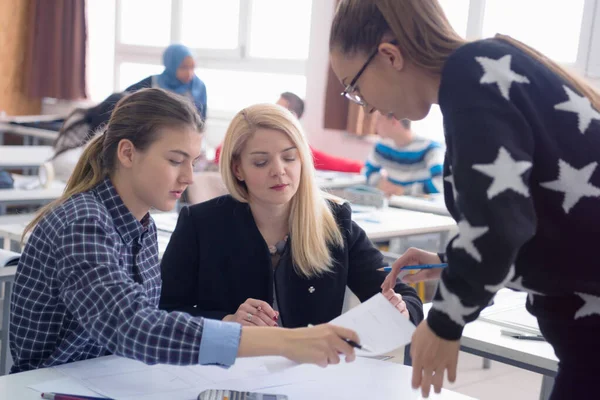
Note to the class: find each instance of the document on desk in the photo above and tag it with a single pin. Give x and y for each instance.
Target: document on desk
(379, 325)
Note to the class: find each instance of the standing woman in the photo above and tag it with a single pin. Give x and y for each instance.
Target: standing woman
(521, 175)
(178, 77)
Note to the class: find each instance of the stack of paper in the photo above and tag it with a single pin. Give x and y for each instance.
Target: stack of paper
(379, 325)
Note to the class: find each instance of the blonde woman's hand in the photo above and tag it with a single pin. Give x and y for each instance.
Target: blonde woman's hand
(396, 300)
(254, 313)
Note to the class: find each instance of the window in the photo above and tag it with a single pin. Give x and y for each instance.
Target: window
(130, 73)
(562, 29)
(246, 51)
(280, 29)
(210, 24)
(230, 91)
(556, 32)
(101, 48)
(457, 12)
(145, 23)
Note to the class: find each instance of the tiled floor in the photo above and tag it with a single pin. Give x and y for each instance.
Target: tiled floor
(500, 382)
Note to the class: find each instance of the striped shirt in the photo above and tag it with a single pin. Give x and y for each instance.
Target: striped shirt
(88, 284)
(417, 167)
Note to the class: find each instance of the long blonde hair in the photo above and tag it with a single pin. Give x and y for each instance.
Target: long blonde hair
(313, 227)
(137, 117)
(422, 33)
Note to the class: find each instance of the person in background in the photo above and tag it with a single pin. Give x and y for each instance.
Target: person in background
(88, 281)
(322, 161)
(276, 251)
(403, 163)
(178, 77)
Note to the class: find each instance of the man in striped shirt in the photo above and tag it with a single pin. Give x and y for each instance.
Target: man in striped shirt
(403, 163)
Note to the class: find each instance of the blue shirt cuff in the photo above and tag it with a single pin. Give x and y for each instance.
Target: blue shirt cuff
(220, 342)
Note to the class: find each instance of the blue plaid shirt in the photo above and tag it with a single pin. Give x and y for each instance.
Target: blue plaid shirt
(88, 284)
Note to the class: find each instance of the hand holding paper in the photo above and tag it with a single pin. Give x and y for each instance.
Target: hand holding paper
(379, 325)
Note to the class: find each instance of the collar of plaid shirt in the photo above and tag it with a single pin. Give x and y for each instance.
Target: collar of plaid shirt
(128, 227)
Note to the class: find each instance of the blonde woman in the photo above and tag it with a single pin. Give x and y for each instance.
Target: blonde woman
(277, 250)
(522, 176)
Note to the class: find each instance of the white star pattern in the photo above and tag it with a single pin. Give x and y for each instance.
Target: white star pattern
(450, 180)
(466, 236)
(517, 284)
(581, 106)
(452, 306)
(506, 174)
(499, 72)
(574, 183)
(508, 278)
(591, 306)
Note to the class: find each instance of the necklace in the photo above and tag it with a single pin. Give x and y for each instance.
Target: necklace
(278, 247)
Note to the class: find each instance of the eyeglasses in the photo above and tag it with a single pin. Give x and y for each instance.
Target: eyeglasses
(350, 90)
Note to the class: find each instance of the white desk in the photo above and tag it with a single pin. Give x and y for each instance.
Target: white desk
(39, 196)
(338, 180)
(379, 224)
(12, 227)
(433, 204)
(15, 157)
(484, 339)
(343, 381)
(7, 277)
(28, 132)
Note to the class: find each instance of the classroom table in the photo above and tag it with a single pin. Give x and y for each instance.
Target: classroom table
(31, 136)
(327, 180)
(379, 224)
(12, 227)
(431, 204)
(382, 380)
(483, 338)
(37, 196)
(7, 277)
(19, 157)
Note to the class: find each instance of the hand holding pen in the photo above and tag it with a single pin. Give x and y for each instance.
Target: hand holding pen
(428, 263)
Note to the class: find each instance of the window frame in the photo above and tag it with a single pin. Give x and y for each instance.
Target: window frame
(588, 53)
(237, 59)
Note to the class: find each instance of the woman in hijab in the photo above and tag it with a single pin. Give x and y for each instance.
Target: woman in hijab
(178, 77)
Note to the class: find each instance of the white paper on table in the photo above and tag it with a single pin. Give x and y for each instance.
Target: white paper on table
(379, 325)
(64, 385)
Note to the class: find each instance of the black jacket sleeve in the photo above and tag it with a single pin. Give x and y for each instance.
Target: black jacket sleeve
(179, 267)
(364, 279)
(144, 83)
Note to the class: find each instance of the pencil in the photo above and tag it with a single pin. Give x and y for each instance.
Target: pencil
(415, 267)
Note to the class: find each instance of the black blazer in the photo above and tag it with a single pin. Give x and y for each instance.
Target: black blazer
(217, 258)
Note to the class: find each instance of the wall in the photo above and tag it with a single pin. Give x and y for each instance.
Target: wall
(335, 142)
(14, 26)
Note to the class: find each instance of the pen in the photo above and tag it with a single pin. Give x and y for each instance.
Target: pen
(411, 267)
(63, 396)
(516, 335)
(351, 343)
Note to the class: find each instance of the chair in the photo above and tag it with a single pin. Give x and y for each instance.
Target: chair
(7, 259)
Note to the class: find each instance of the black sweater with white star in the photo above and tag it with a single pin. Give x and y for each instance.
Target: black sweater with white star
(522, 179)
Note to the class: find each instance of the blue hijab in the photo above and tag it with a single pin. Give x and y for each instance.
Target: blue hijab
(172, 59)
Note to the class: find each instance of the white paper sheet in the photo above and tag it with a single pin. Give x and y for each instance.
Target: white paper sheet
(64, 385)
(379, 325)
